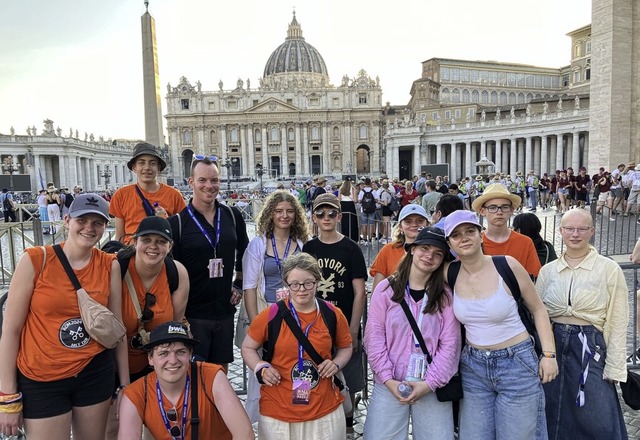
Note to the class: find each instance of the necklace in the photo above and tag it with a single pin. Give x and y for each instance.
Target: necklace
(580, 257)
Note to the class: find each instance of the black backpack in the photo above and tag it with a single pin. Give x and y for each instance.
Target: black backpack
(68, 199)
(277, 312)
(502, 266)
(368, 202)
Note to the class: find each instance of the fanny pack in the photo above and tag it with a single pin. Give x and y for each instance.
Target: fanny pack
(100, 322)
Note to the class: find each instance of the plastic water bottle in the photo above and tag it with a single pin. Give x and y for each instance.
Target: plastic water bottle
(404, 389)
(160, 211)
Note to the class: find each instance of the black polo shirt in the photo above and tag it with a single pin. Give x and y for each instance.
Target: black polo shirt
(209, 298)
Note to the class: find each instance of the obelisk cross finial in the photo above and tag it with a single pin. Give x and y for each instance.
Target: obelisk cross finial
(146, 5)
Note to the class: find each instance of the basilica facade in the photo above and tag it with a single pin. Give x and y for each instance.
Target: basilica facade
(293, 123)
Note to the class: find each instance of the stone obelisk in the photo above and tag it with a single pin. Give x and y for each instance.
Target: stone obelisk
(151, 79)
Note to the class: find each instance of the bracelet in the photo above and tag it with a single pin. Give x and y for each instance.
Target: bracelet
(548, 354)
(337, 366)
(10, 398)
(11, 408)
(259, 370)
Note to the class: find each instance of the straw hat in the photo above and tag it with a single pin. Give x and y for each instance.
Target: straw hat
(495, 191)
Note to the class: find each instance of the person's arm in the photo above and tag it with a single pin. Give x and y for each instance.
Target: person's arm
(119, 229)
(230, 408)
(376, 279)
(18, 302)
(359, 301)
(548, 368)
(115, 305)
(269, 375)
(251, 268)
(130, 425)
(180, 297)
(616, 324)
(635, 255)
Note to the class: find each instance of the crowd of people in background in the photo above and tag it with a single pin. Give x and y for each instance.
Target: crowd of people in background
(187, 266)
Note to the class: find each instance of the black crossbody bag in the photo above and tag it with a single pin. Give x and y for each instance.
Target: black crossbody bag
(452, 391)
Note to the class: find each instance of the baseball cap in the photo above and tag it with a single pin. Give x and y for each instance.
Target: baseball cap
(326, 199)
(89, 203)
(171, 331)
(145, 148)
(430, 236)
(458, 218)
(154, 225)
(412, 209)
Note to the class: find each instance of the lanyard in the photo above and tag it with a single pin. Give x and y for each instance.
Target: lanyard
(275, 253)
(416, 344)
(204, 232)
(185, 405)
(306, 332)
(580, 398)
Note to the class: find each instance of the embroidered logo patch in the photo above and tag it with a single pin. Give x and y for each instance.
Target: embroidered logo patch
(308, 373)
(73, 334)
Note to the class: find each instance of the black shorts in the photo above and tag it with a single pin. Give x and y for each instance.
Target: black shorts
(94, 384)
(216, 339)
(582, 196)
(386, 211)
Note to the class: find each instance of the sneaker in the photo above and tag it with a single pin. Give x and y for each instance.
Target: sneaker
(612, 219)
(362, 242)
(625, 214)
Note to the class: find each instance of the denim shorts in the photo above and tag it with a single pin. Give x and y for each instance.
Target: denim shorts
(503, 397)
(368, 218)
(601, 416)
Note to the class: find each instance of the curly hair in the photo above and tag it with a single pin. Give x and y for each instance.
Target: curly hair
(299, 227)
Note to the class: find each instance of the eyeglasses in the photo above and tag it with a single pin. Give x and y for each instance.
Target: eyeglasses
(582, 230)
(320, 213)
(307, 285)
(202, 157)
(175, 430)
(149, 301)
(494, 208)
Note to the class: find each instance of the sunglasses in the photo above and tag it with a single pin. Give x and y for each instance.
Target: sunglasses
(149, 301)
(320, 213)
(175, 430)
(203, 157)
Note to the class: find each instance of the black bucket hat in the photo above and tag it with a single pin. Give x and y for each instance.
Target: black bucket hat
(431, 236)
(146, 148)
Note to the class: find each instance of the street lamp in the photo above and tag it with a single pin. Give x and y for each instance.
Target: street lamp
(227, 165)
(260, 172)
(8, 167)
(106, 174)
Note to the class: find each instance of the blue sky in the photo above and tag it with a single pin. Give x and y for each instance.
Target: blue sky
(79, 62)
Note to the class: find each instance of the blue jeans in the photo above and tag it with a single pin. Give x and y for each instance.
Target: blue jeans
(388, 419)
(601, 415)
(533, 200)
(503, 397)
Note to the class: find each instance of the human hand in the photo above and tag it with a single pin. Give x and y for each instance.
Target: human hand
(270, 376)
(547, 369)
(236, 296)
(327, 368)
(420, 389)
(10, 424)
(392, 385)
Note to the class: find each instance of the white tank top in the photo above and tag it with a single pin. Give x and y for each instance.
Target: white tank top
(491, 320)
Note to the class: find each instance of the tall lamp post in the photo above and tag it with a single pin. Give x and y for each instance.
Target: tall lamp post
(8, 167)
(106, 174)
(227, 165)
(260, 172)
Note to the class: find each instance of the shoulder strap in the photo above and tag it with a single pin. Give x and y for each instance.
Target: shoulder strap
(133, 294)
(415, 329)
(452, 273)
(507, 275)
(124, 264)
(329, 317)
(148, 209)
(233, 216)
(273, 331)
(195, 420)
(172, 274)
(67, 267)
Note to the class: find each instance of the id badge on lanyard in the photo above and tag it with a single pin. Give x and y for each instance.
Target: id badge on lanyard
(301, 390)
(418, 364)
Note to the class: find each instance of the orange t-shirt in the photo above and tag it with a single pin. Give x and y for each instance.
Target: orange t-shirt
(162, 311)
(127, 205)
(387, 260)
(325, 397)
(211, 424)
(519, 247)
(54, 344)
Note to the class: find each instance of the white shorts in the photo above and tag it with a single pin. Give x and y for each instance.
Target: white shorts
(329, 427)
(603, 196)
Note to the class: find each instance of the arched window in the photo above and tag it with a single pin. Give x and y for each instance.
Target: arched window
(465, 96)
(186, 137)
(494, 97)
(363, 132)
(503, 97)
(521, 98)
(444, 95)
(475, 96)
(212, 137)
(455, 95)
(512, 98)
(485, 97)
(336, 133)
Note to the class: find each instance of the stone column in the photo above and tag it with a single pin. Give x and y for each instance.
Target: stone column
(93, 176)
(559, 153)
(483, 149)
(585, 147)
(298, 150)
(224, 149)
(325, 147)
(244, 161)
(284, 154)
(544, 158)
(265, 152)
(513, 154)
(453, 172)
(396, 162)
(536, 156)
(553, 154)
(250, 151)
(498, 157)
(575, 156)
(521, 150)
(438, 153)
(527, 156)
(467, 159)
(417, 153)
(306, 160)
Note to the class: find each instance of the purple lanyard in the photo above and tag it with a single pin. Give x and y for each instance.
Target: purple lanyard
(213, 244)
(275, 253)
(306, 333)
(185, 405)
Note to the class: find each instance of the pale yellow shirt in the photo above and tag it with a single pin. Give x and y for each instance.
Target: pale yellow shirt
(599, 295)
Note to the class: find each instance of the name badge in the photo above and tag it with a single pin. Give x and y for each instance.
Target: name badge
(301, 392)
(417, 367)
(215, 267)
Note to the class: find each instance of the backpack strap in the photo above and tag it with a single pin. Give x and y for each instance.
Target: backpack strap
(195, 420)
(502, 266)
(273, 331)
(172, 270)
(452, 273)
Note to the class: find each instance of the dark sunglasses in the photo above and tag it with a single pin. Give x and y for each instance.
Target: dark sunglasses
(149, 301)
(320, 213)
(175, 430)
